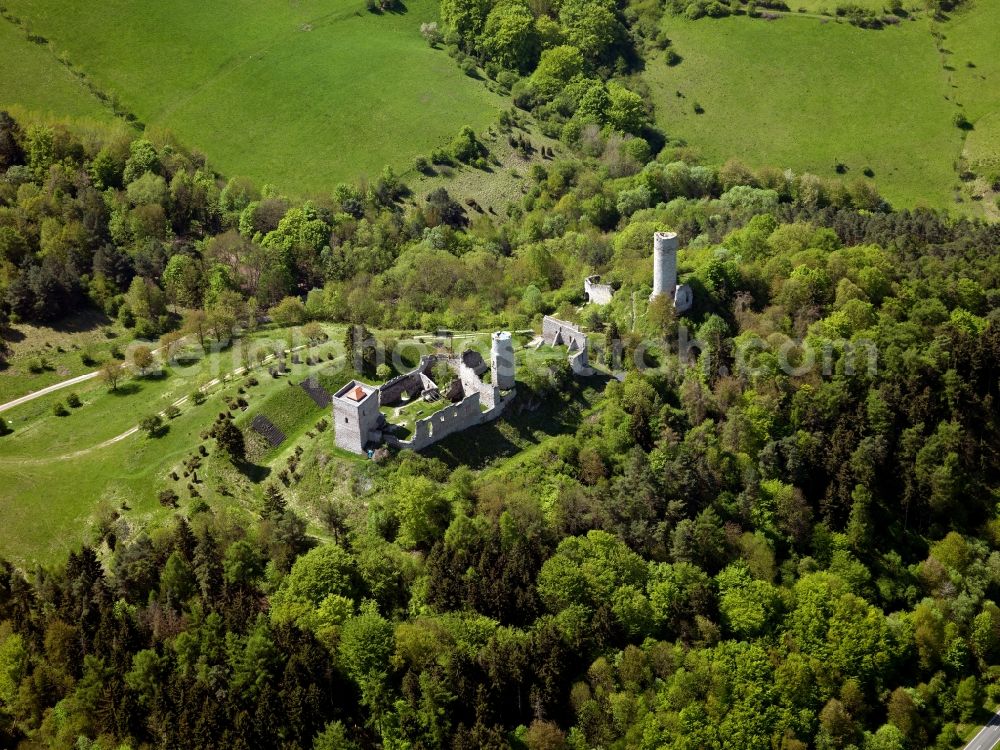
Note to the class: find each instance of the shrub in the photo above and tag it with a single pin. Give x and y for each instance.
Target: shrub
(4, 427)
(197, 397)
(422, 164)
(961, 121)
(440, 156)
(59, 410)
(168, 498)
(37, 365)
(151, 425)
(172, 411)
(431, 33)
(74, 401)
(507, 79)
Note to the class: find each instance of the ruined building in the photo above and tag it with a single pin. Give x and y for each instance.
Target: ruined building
(596, 292)
(467, 400)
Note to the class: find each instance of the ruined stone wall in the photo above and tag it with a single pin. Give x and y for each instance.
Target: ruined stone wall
(456, 418)
(557, 332)
(459, 416)
(579, 362)
(598, 293)
(393, 390)
(489, 394)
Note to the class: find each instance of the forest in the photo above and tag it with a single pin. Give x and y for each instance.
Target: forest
(725, 551)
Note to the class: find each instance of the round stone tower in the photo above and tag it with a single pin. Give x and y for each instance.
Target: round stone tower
(502, 360)
(664, 264)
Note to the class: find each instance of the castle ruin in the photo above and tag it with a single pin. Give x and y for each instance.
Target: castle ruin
(664, 277)
(360, 424)
(556, 332)
(596, 292)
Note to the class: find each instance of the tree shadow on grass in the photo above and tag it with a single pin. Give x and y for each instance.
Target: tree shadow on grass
(127, 389)
(11, 334)
(86, 320)
(254, 472)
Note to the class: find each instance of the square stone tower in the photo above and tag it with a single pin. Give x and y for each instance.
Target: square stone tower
(502, 360)
(355, 416)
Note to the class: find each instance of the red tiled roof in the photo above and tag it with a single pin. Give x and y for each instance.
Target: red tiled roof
(356, 394)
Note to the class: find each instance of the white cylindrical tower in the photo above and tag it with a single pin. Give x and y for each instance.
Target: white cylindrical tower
(502, 360)
(664, 263)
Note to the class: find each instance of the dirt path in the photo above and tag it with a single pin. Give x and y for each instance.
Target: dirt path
(50, 389)
(132, 430)
(57, 386)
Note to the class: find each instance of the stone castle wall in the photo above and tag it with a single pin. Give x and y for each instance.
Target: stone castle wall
(557, 332)
(598, 293)
(456, 418)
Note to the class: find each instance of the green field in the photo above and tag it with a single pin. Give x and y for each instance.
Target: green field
(971, 37)
(301, 95)
(33, 79)
(808, 94)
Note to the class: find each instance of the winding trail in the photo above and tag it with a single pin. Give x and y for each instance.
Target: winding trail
(117, 438)
(62, 384)
(49, 389)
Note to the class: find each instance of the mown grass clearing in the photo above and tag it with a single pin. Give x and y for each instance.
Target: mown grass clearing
(810, 95)
(300, 95)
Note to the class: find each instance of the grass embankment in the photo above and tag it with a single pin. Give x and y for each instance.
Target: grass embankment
(301, 95)
(811, 94)
(32, 78)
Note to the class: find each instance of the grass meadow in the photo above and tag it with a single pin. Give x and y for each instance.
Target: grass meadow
(300, 95)
(60, 475)
(809, 94)
(970, 53)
